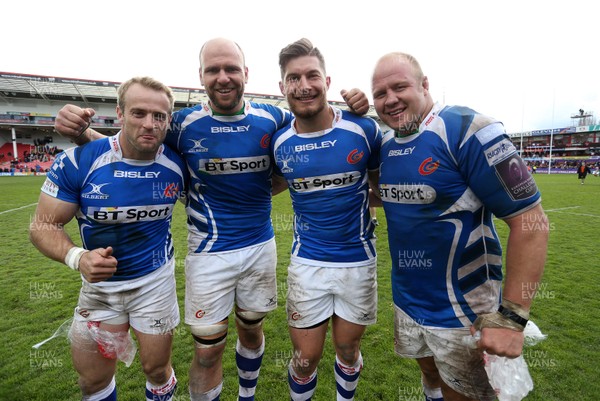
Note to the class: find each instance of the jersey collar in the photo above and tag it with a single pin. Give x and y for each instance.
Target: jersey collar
(240, 113)
(337, 116)
(431, 116)
(117, 150)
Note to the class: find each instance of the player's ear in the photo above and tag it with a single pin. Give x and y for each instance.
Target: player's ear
(425, 83)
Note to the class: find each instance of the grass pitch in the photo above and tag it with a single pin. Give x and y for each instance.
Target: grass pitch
(38, 294)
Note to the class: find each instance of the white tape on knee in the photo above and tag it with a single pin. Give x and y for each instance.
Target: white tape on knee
(201, 332)
(210, 330)
(249, 319)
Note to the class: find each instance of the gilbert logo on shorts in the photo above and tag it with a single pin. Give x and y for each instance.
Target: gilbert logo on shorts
(271, 301)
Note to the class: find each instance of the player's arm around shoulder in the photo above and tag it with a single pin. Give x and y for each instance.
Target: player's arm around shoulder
(374, 195)
(73, 123)
(356, 100)
(182, 189)
(278, 182)
(375, 141)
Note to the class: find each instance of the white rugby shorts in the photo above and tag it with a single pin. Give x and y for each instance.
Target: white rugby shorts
(148, 303)
(316, 293)
(460, 367)
(214, 282)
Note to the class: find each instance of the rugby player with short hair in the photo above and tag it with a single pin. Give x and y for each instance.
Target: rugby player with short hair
(231, 245)
(122, 191)
(445, 172)
(325, 157)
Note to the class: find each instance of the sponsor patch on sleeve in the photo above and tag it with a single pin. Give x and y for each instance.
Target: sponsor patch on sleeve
(50, 188)
(499, 152)
(489, 133)
(515, 178)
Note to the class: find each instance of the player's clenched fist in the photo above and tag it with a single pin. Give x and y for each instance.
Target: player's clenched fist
(98, 264)
(71, 120)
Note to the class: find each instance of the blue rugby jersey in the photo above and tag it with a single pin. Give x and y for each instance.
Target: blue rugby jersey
(126, 204)
(229, 200)
(327, 177)
(440, 189)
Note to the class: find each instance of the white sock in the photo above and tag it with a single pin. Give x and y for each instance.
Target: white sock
(346, 378)
(301, 389)
(107, 393)
(163, 392)
(432, 394)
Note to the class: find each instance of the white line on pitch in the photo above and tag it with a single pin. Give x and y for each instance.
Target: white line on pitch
(22, 207)
(580, 214)
(562, 208)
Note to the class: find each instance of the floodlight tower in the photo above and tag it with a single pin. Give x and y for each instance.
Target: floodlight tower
(581, 118)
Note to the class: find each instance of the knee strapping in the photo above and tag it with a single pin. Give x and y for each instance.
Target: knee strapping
(201, 332)
(249, 319)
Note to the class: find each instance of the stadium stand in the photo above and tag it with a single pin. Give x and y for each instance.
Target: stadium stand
(30, 103)
(561, 149)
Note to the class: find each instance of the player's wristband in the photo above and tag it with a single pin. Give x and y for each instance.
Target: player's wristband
(74, 140)
(74, 256)
(512, 316)
(508, 316)
(514, 312)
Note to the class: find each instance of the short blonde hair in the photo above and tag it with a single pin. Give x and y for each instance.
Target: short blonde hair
(408, 58)
(147, 82)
